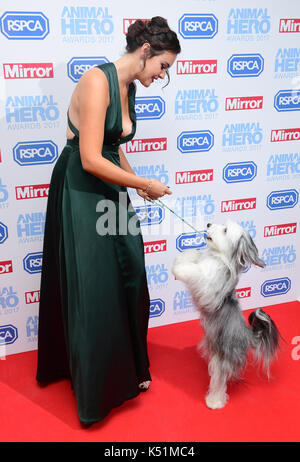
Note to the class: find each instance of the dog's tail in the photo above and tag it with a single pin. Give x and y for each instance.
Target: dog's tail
(265, 337)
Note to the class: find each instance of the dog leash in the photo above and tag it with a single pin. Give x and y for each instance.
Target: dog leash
(158, 201)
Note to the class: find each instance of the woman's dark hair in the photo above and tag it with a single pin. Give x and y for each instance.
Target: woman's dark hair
(157, 33)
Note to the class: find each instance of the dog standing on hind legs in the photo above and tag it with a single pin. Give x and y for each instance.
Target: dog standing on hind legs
(211, 277)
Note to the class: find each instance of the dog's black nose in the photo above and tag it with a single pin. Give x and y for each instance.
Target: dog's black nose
(208, 225)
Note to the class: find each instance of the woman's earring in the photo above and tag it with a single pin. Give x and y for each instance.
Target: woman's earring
(142, 63)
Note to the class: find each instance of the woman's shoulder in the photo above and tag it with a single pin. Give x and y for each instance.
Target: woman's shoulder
(95, 78)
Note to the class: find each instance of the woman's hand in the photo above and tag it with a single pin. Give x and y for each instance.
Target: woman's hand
(155, 189)
(143, 194)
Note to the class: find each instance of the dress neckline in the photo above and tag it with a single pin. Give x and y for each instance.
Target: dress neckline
(131, 89)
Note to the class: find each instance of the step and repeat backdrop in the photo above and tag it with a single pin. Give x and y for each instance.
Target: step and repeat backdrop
(224, 135)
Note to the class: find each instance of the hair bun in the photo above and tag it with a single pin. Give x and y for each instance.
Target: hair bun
(157, 25)
(156, 32)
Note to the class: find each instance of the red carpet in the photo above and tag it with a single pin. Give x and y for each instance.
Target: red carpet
(173, 409)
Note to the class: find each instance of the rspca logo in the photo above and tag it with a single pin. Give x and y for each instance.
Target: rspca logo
(287, 100)
(274, 287)
(149, 107)
(32, 263)
(157, 307)
(35, 152)
(79, 65)
(285, 199)
(150, 215)
(3, 232)
(237, 172)
(24, 25)
(195, 141)
(246, 65)
(8, 334)
(198, 26)
(191, 241)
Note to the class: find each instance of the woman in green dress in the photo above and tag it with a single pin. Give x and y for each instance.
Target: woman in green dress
(94, 301)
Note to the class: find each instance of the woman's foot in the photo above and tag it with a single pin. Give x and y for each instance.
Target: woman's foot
(143, 386)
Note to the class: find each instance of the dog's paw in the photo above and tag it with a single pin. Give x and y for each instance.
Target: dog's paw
(216, 401)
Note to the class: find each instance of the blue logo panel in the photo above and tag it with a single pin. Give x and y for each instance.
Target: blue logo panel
(274, 287)
(157, 307)
(284, 199)
(287, 100)
(32, 263)
(3, 233)
(35, 152)
(8, 334)
(198, 26)
(79, 65)
(149, 107)
(150, 215)
(190, 241)
(196, 141)
(24, 25)
(245, 65)
(237, 172)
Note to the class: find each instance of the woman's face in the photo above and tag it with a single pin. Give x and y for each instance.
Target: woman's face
(156, 67)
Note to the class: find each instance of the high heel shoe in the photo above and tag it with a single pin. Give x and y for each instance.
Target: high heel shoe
(143, 386)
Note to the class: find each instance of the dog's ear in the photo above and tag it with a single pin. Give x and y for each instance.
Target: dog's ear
(247, 251)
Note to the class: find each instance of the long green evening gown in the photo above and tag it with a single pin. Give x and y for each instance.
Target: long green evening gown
(94, 300)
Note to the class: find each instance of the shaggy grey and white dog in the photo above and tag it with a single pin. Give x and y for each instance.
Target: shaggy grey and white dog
(211, 277)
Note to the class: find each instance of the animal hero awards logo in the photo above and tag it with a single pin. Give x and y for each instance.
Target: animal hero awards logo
(283, 166)
(3, 195)
(242, 136)
(196, 104)
(9, 300)
(248, 24)
(287, 63)
(31, 227)
(24, 25)
(279, 257)
(31, 112)
(87, 24)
